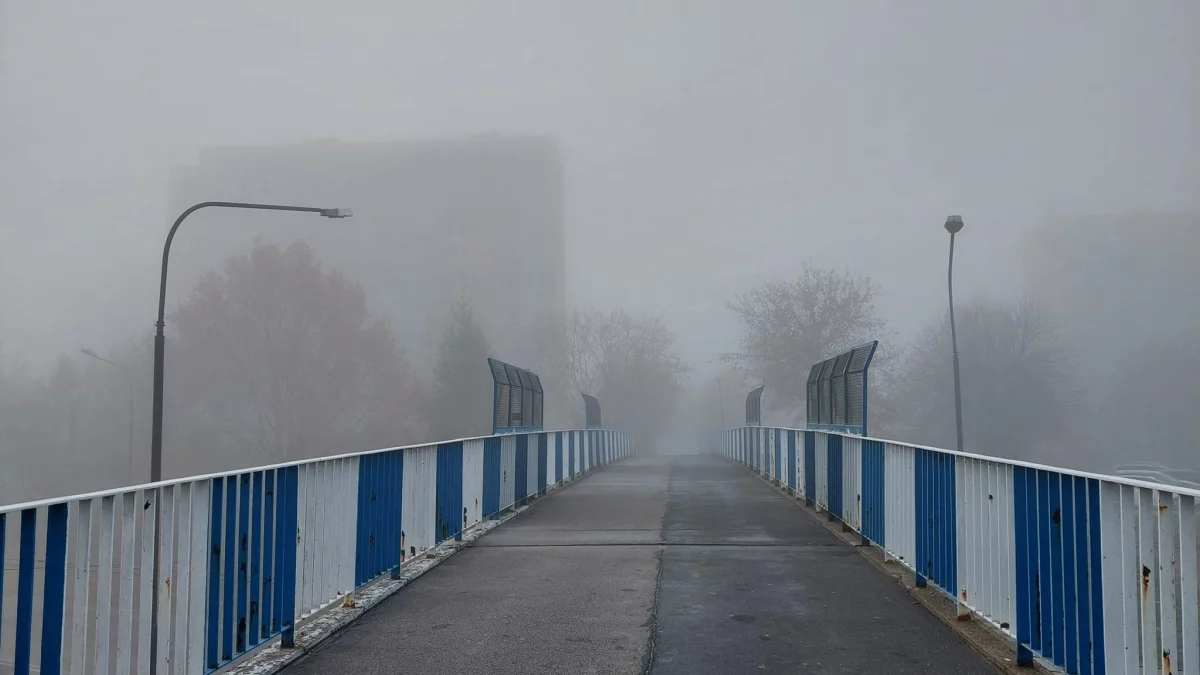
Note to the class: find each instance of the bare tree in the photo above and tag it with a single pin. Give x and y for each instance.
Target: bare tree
(790, 325)
(1016, 396)
(277, 357)
(631, 364)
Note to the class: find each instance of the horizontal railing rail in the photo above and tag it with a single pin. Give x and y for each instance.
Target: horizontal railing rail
(1087, 572)
(244, 557)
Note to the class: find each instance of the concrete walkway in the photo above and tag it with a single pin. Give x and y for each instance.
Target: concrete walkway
(665, 565)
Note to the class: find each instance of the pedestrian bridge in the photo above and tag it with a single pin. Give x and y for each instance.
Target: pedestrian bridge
(771, 551)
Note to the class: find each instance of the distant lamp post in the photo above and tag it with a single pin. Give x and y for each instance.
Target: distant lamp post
(129, 378)
(954, 225)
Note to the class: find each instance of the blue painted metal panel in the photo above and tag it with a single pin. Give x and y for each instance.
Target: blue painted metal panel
(543, 441)
(791, 460)
(1056, 570)
(810, 467)
(230, 561)
(25, 574)
(449, 509)
(285, 555)
(833, 468)
(53, 589)
(395, 491)
(491, 477)
(872, 492)
(282, 539)
(571, 453)
(256, 534)
(364, 535)
(1067, 525)
(521, 475)
(935, 512)
(243, 563)
(558, 457)
(380, 502)
(1045, 620)
(266, 610)
(1024, 491)
(212, 625)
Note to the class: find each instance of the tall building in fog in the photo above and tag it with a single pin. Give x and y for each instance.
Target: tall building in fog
(478, 217)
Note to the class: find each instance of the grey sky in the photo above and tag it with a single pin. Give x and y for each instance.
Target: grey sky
(707, 145)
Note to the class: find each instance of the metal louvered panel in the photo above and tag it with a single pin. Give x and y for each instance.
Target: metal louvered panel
(591, 411)
(838, 392)
(538, 399)
(856, 384)
(500, 417)
(813, 400)
(824, 393)
(854, 399)
(519, 398)
(526, 398)
(754, 407)
(516, 398)
(860, 356)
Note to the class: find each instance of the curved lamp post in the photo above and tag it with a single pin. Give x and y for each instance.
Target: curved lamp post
(160, 340)
(159, 357)
(954, 225)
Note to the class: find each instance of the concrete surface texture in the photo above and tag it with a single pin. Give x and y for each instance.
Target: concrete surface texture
(662, 565)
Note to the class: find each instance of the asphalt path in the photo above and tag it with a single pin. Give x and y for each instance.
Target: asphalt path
(669, 565)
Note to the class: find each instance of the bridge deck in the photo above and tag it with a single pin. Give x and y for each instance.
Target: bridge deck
(667, 565)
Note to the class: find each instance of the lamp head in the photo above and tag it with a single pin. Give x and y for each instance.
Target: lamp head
(336, 213)
(954, 224)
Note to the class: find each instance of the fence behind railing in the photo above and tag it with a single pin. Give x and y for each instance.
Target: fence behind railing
(245, 556)
(1092, 574)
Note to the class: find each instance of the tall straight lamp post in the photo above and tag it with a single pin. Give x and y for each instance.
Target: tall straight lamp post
(954, 225)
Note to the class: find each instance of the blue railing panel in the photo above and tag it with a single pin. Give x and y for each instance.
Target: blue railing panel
(449, 491)
(256, 543)
(491, 477)
(54, 589)
(543, 441)
(267, 621)
(791, 460)
(872, 492)
(833, 470)
(521, 473)
(558, 456)
(810, 467)
(936, 519)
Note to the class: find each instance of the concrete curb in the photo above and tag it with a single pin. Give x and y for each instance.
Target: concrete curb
(992, 644)
(317, 630)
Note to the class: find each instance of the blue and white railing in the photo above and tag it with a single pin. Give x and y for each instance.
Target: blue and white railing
(1093, 574)
(246, 556)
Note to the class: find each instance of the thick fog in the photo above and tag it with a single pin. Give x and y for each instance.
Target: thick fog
(705, 148)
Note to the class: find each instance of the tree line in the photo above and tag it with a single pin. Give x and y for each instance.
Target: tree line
(1016, 392)
(275, 357)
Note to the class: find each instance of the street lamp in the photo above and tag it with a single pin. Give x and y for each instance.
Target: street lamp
(160, 340)
(129, 378)
(159, 357)
(954, 225)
